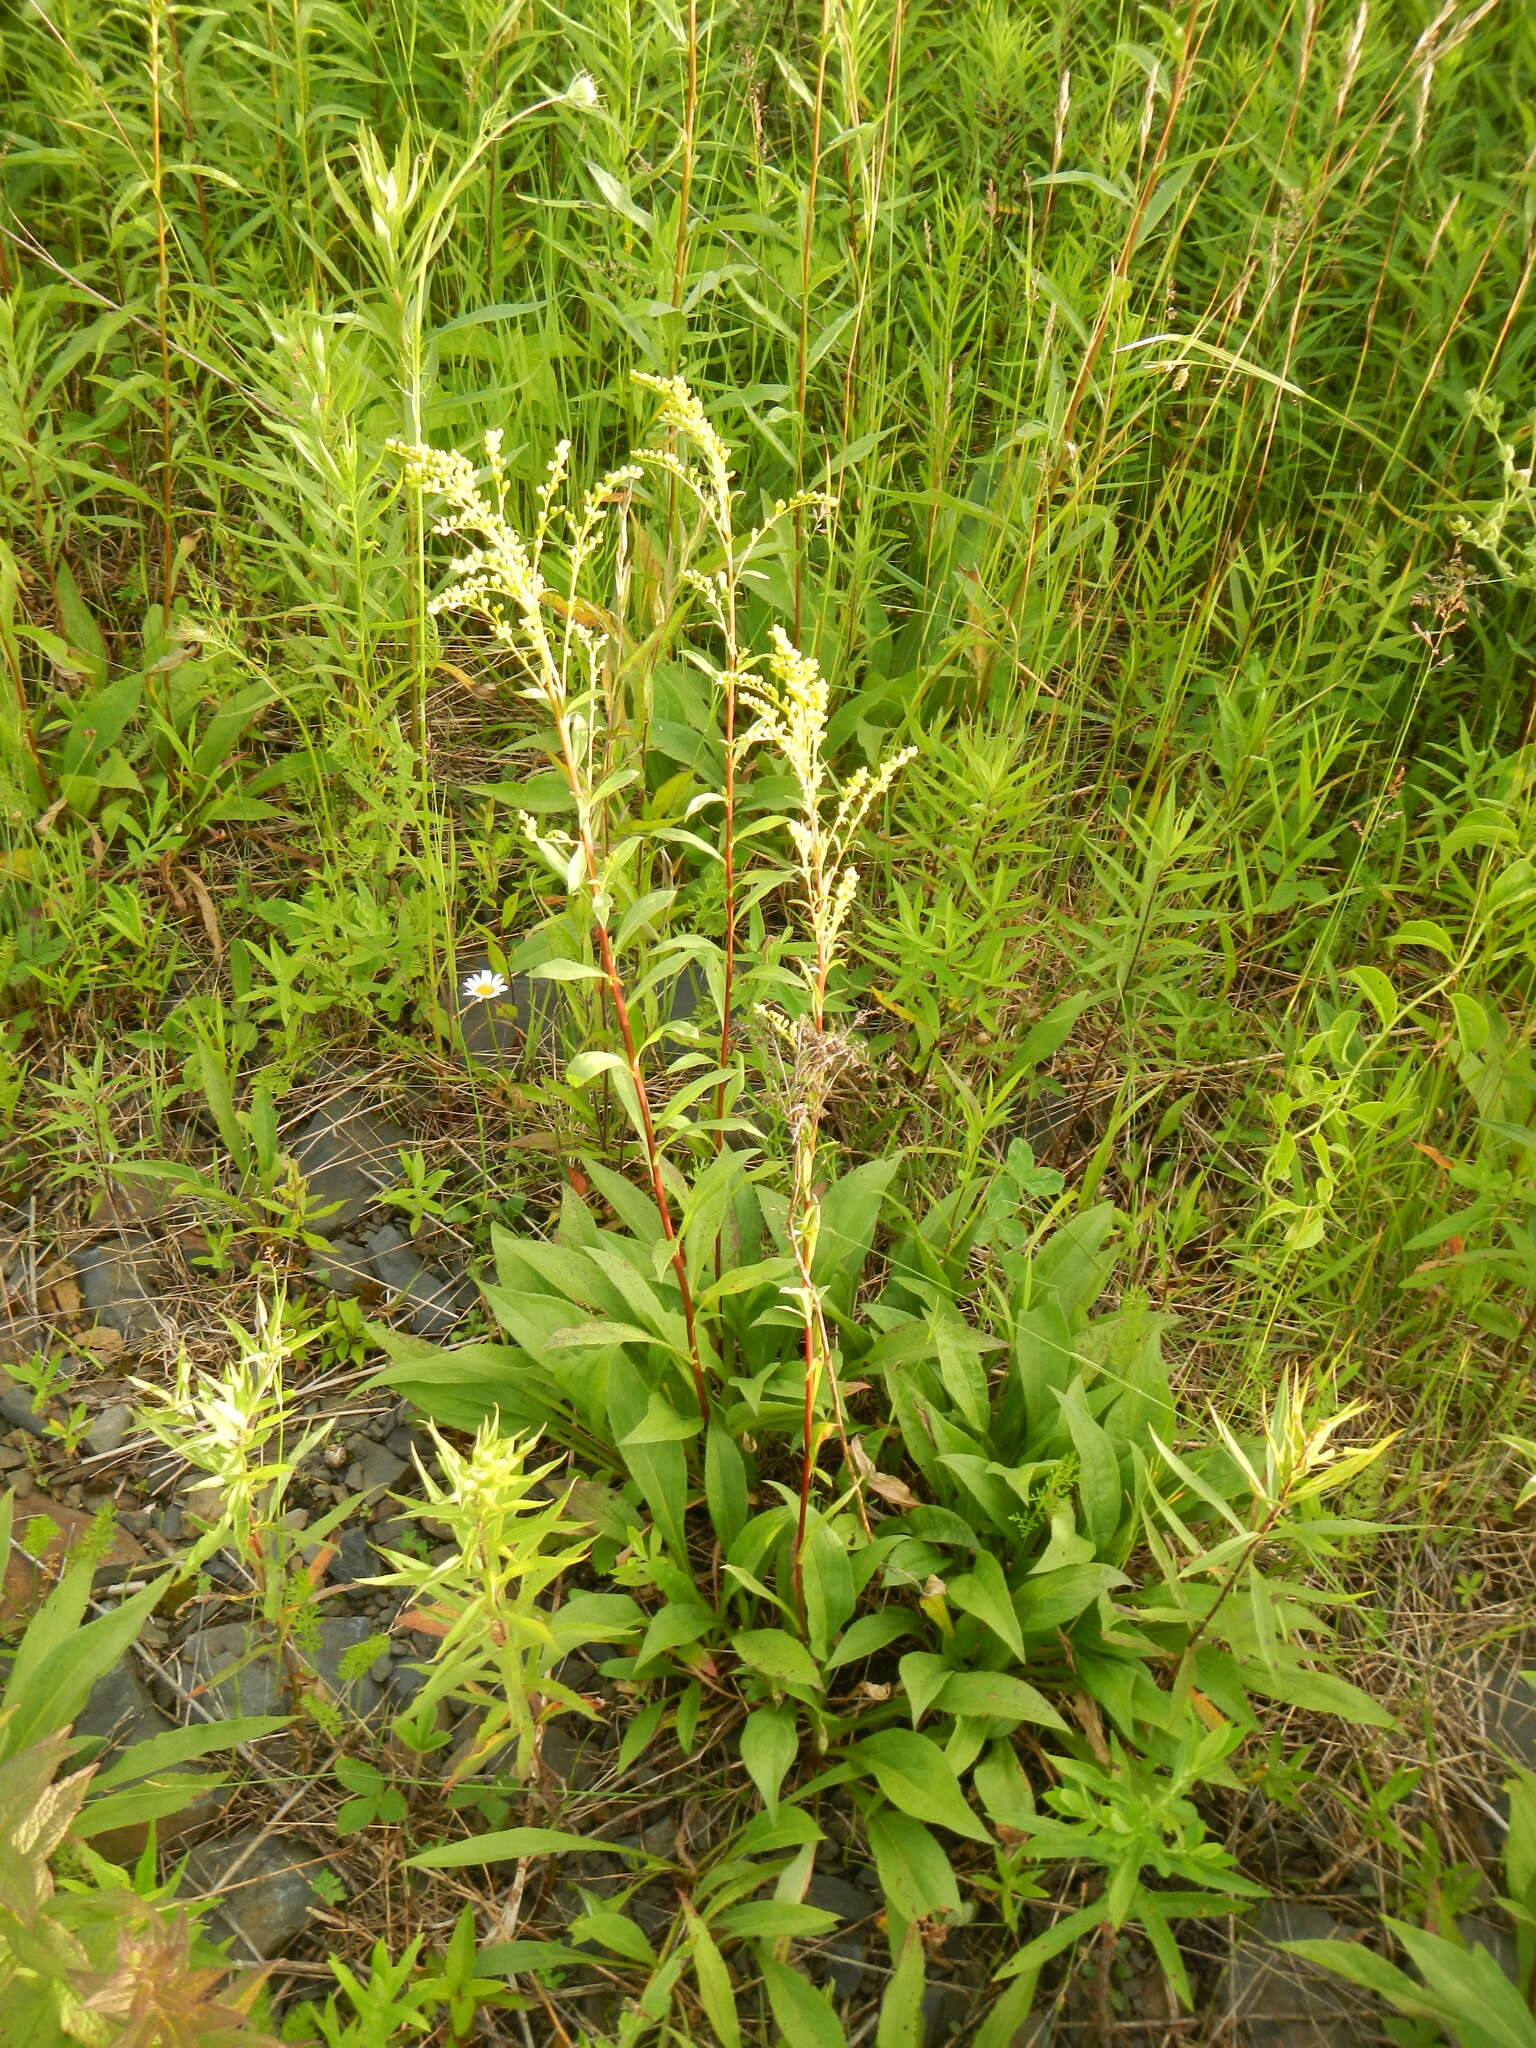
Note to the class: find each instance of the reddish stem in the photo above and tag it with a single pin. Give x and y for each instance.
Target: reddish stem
(632, 1060)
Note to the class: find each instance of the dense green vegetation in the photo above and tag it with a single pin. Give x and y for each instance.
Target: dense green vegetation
(1010, 1373)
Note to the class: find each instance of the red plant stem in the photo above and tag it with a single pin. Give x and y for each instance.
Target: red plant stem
(728, 854)
(806, 1462)
(653, 1160)
(632, 1060)
(184, 103)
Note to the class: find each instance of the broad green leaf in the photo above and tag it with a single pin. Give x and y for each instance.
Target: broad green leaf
(1049, 1034)
(616, 193)
(790, 1828)
(769, 1744)
(827, 1579)
(512, 1845)
(916, 1876)
(996, 1696)
(527, 1958)
(151, 1799)
(778, 1656)
(79, 621)
(1320, 1692)
(672, 1627)
(958, 1352)
(96, 724)
(1423, 931)
(983, 1592)
(901, 2009)
(1098, 1477)
(800, 2012)
(1071, 1267)
(615, 1932)
(661, 1424)
(642, 912)
(1360, 1965)
(716, 1994)
(46, 1692)
(180, 1745)
(1379, 992)
(1003, 2026)
(746, 1279)
(1003, 1788)
(871, 1632)
(597, 1335)
(976, 1474)
(1520, 1864)
(912, 1773)
(923, 1677)
(634, 1208)
(637, 1737)
(460, 1388)
(725, 1485)
(849, 1212)
(776, 1920)
(1468, 1981)
(1034, 1954)
(1056, 1598)
(659, 1469)
(1066, 1546)
(565, 970)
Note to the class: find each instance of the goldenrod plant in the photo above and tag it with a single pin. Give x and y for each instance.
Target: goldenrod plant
(791, 705)
(498, 1642)
(236, 1431)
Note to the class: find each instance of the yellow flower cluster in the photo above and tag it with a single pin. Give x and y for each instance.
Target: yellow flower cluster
(791, 711)
(501, 566)
(682, 414)
(793, 715)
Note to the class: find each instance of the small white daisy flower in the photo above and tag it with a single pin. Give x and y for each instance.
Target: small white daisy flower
(483, 986)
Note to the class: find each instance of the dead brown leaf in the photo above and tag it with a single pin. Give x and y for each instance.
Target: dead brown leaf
(895, 1492)
(58, 1290)
(105, 1344)
(205, 911)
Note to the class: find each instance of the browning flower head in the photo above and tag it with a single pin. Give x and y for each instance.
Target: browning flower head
(817, 1061)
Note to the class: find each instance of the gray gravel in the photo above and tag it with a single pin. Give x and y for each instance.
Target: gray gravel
(262, 1884)
(106, 1433)
(349, 1154)
(237, 1673)
(1282, 2002)
(117, 1277)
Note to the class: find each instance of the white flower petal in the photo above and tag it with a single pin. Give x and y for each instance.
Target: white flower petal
(485, 986)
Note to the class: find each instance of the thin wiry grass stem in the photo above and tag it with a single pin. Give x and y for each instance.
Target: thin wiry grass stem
(807, 253)
(685, 176)
(162, 323)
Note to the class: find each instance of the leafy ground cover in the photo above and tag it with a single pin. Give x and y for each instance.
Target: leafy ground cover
(767, 1117)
